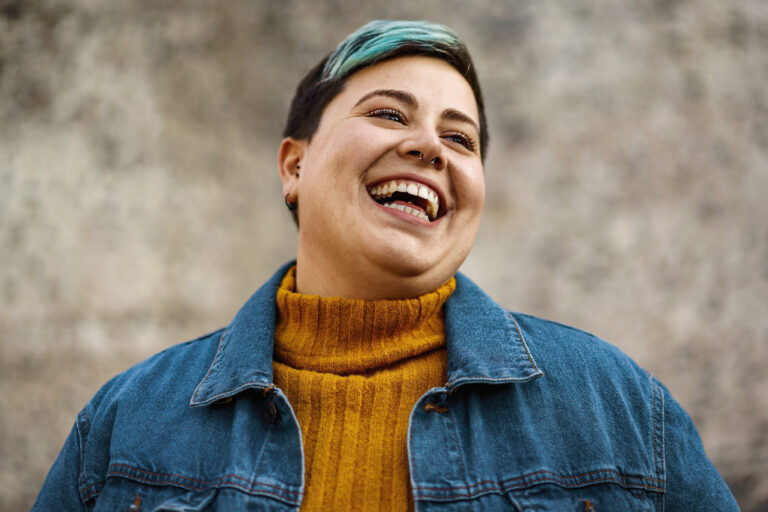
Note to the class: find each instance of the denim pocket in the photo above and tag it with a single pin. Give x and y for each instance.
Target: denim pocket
(602, 497)
(119, 495)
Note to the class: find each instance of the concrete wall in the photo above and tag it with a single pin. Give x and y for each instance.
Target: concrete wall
(140, 204)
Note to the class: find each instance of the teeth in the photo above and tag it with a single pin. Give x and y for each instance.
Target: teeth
(407, 209)
(415, 189)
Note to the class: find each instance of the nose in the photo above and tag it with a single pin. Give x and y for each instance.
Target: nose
(426, 148)
(435, 161)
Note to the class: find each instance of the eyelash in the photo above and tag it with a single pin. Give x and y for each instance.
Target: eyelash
(464, 139)
(383, 112)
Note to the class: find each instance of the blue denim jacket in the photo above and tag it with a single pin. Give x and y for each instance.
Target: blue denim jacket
(534, 416)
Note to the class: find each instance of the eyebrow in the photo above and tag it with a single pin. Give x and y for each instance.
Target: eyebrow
(410, 100)
(403, 96)
(458, 115)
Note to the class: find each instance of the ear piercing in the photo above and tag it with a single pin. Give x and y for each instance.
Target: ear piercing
(291, 206)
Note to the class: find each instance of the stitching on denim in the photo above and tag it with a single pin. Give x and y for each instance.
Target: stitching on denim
(92, 493)
(195, 480)
(263, 447)
(659, 428)
(249, 490)
(458, 447)
(301, 448)
(522, 341)
(653, 433)
(82, 439)
(213, 363)
(621, 476)
(234, 391)
(223, 481)
(552, 480)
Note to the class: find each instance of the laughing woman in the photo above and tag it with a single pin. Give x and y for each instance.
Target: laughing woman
(369, 374)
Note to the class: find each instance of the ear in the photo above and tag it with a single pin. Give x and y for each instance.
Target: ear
(289, 159)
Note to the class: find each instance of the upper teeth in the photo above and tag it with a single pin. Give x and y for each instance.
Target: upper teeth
(412, 188)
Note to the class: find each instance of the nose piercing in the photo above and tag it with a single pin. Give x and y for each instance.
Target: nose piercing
(434, 161)
(421, 155)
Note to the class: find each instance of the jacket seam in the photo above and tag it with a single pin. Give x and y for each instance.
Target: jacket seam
(436, 493)
(221, 481)
(210, 369)
(458, 447)
(620, 478)
(81, 438)
(658, 435)
(198, 489)
(522, 341)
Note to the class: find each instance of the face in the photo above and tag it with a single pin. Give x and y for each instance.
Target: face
(391, 186)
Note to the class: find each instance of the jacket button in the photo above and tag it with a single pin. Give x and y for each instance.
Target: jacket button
(271, 414)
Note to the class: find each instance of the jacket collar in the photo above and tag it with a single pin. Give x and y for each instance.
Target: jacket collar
(484, 344)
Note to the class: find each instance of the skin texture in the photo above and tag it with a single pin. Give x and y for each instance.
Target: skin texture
(349, 246)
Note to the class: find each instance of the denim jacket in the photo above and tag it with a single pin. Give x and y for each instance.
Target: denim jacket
(534, 416)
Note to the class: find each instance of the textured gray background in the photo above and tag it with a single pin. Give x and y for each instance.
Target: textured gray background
(140, 202)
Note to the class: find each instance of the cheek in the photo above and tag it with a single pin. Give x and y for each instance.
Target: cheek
(350, 149)
(472, 189)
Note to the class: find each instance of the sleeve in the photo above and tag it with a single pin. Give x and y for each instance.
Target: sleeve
(693, 483)
(60, 490)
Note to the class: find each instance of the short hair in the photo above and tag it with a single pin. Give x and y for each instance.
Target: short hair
(374, 42)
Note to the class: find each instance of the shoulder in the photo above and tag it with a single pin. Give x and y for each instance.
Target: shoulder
(169, 376)
(583, 371)
(560, 348)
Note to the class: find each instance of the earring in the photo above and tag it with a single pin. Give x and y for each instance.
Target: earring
(291, 206)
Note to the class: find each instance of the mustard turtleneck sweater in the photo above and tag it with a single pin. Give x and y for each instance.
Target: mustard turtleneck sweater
(353, 370)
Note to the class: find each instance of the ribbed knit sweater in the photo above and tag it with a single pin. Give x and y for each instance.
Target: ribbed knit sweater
(353, 370)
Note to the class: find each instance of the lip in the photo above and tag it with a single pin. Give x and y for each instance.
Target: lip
(418, 179)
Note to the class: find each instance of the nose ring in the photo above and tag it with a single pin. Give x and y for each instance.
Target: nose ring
(435, 161)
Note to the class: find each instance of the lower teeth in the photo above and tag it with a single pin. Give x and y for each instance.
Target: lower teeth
(407, 209)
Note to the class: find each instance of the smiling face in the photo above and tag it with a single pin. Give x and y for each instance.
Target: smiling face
(391, 185)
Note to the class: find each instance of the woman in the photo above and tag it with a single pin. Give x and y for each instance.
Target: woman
(369, 375)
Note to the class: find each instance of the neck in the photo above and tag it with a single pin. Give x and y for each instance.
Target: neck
(315, 276)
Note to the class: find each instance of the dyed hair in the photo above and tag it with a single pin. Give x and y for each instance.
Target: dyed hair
(372, 43)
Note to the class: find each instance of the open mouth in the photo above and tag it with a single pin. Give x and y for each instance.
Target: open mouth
(408, 196)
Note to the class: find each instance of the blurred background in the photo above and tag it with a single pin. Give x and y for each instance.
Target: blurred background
(140, 203)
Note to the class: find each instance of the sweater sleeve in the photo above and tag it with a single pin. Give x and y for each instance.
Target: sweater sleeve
(693, 483)
(60, 490)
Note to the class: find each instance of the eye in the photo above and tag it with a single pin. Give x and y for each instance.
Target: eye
(463, 139)
(389, 114)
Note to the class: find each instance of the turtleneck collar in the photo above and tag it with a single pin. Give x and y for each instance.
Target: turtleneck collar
(345, 336)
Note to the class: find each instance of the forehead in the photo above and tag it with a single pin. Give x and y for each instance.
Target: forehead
(432, 81)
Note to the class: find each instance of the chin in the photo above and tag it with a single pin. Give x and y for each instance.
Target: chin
(419, 267)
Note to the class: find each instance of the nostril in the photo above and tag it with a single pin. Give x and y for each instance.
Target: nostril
(417, 154)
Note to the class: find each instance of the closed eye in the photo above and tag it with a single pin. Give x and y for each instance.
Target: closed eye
(463, 139)
(389, 114)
